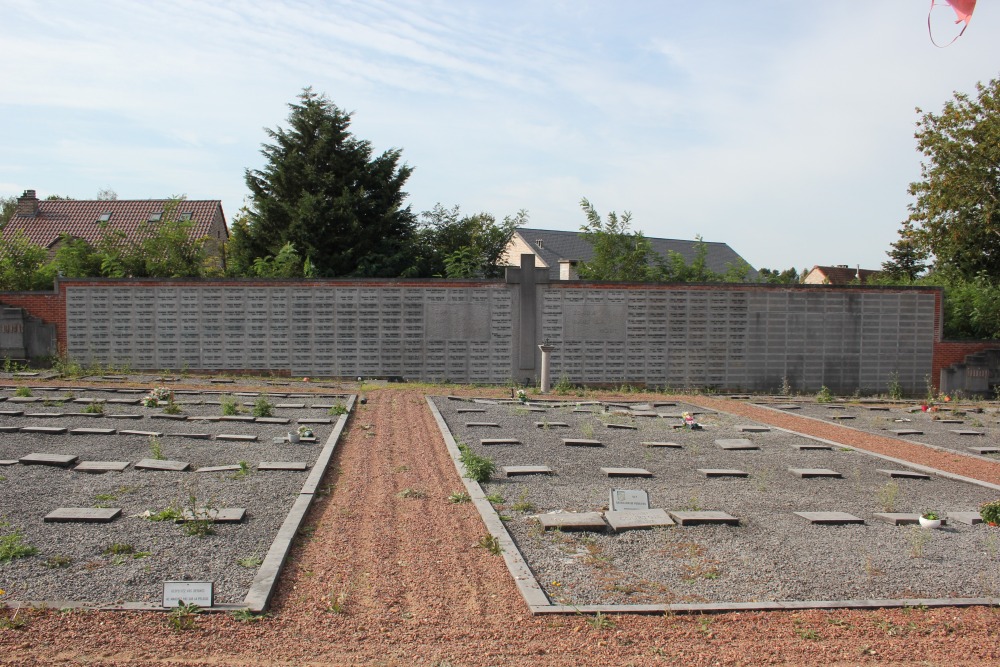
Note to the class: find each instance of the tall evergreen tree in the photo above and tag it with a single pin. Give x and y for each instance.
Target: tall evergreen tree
(323, 191)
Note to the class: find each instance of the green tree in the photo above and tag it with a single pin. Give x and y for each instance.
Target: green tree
(76, 258)
(906, 259)
(322, 190)
(286, 264)
(776, 277)
(619, 253)
(24, 266)
(956, 212)
(7, 207)
(457, 246)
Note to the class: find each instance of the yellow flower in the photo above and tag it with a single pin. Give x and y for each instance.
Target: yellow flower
(2, 591)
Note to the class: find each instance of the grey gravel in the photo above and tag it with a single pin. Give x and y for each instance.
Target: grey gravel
(772, 555)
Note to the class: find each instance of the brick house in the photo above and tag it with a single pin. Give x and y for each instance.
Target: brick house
(838, 275)
(42, 222)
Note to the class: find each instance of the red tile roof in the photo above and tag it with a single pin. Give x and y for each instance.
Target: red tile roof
(80, 218)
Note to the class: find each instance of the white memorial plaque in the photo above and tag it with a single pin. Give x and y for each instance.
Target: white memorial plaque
(190, 592)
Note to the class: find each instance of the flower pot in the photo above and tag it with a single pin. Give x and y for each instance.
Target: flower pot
(930, 523)
(293, 437)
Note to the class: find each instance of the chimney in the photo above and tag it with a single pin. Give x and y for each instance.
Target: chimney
(27, 204)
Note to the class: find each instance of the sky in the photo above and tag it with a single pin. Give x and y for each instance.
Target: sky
(783, 128)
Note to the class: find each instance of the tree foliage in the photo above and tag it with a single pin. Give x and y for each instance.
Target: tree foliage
(955, 215)
(455, 246)
(775, 277)
(24, 266)
(325, 192)
(8, 205)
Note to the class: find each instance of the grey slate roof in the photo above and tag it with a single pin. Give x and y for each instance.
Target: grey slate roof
(557, 245)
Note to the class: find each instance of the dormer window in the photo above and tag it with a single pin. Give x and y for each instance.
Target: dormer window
(104, 217)
(155, 217)
(539, 243)
(186, 215)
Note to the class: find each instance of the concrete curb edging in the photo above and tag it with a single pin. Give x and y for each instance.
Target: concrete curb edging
(518, 567)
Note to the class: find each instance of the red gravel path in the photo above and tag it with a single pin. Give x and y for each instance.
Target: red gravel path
(415, 591)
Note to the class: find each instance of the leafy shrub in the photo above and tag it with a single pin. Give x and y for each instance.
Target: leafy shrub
(13, 546)
(263, 407)
(230, 406)
(22, 392)
(477, 468)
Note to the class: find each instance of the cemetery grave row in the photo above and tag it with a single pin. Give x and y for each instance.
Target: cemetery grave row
(737, 512)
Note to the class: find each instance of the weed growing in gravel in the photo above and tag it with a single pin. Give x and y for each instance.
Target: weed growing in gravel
(705, 627)
(477, 468)
(184, 617)
(117, 548)
(412, 493)
(587, 429)
(230, 406)
(156, 449)
(600, 621)
(263, 407)
(247, 616)
(171, 513)
(459, 497)
(13, 622)
(250, 562)
(12, 545)
(496, 499)
(563, 386)
(808, 634)
(338, 409)
(919, 539)
(198, 517)
(22, 392)
(888, 495)
(95, 408)
(824, 395)
(522, 504)
(491, 544)
(56, 562)
(244, 471)
(895, 386)
(172, 408)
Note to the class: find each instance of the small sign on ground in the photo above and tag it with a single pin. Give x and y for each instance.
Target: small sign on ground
(628, 500)
(188, 592)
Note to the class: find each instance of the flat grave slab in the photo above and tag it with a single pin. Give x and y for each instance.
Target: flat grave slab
(950, 421)
(88, 415)
(902, 474)
(93, 431)
(191, 436)
(626, 472)
(167, 466)
(236, 437)
(237, 418)
(830, 518)
(148, 434)
(628, 427)
(38, 458)
(628, 500)
(8, 462)
(125, 416)
(214, 380)
(787, 406)
(166, 416)
(314, 420)
(83, 515)
(225, 468)
(24, 399)
(841, 417)
(573, 521)
(463, 411)
(487, 442)
(812, 446)
(48, 430)
(902, 518)
(668, 445)
(835, 407)
(968, 518)
(637, 519)
(551, 425)
(587, 411)
(101, 466)
(812, 473)
(723, 472)
(272, 420)
(9, 429)
(291, 406)
(966, 432)
(517, 471)
(11, 413)
(877, 408)
(754, 429)
(45, 415)
(705, 518)
(985, 450)
(735, 444)
(204, 418)
(282, 465)
(644, 413)
(581, 442)
(125, 401)
(481, 425)
(907, 431)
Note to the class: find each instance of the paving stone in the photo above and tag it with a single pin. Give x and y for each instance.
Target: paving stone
(735, 444)
(169, 466)
(573, 521)
(226, 468)
(669, 445)
(722, 472)
(812, 446)
(273, 420)
(877, 408)
(810, 473)
(38, 458)
(968, 518)
(93, 431)
(963, 432)
(902, 474)
(626, 472)
(204, 418)
(314, 420)
(581, 442)
(551, 425)
(516, 471)
(463, 411)
(755, 429)
(236, 437)
(627, 427)
(48, 430)
(842, 417)
(985, 450)
(291, 406)
(835, 407)
(902, 518)
(148, 434)
(907, 431)
(950, 421)
(11, 413)
(787, 406)
(704, 518)
(9, 429)
(628, 500)
(214, 514)
(644, 413)
(83, 515)
(123, 416)
(282, 465)
(830, 518)
(214, 380)
(486, 442)
(45, 415)
(237, 418)
(481, 425)
(89, 415)
(24, 399)
(101, 466)
(8, 462)
(166, 416)
(192, 436)
(637, 519)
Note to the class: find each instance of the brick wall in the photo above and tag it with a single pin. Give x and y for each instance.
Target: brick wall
(948, 352)
(50, 307)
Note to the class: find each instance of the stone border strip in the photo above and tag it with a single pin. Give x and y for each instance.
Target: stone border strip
(519, 570)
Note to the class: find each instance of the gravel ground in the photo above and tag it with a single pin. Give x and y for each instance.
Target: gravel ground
(773, 555)
(73, 560)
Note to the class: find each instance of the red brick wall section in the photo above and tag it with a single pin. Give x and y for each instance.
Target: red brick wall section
(49, 307)
(948, 352)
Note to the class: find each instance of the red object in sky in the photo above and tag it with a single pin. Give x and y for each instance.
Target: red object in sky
(963, 10)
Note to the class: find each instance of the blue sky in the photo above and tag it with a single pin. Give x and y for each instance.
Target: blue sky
(783, 128)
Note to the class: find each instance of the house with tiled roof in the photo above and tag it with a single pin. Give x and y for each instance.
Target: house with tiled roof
(840, 274)
(43, 222)
(561, 251)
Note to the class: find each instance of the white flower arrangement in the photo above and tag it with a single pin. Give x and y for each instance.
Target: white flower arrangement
(156, 396)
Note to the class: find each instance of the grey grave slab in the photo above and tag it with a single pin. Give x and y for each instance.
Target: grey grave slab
(463, 411)
(25, 374)
(168, 466)
(9, 429)
(907, 431)
(787, 406)
(537, 409)
(236, 437)
(83, 515)
(754, 429)
(246, 393)
(950, 421)
(213, 380)
(291, 406)
(902, 518)
(123, 416)
(89, 415)
(877, 408)
(739, 397)
(551, 425)
(8, 462)
(481, 425)
(842, 417)
(273, 420)
(626, 472)
(735, 444)
(93, 431)
(627, 427)
(704, 518)
(637, 519)
(968, 518)
(581, 442)
(985, 450)
(573, 521)
(188, 403)
(191, 436)
(517, 471)
(282, 465)
(812, 446)
(812, 473)
(586, 411)
(11, 413)
(902, 474)
(148, 434)
(668, 445)
(628, 500)
(226, 468)
(48, 430)
(644, 413)
(101, 466)
(45, 415)
(484, 401)
(964, 432)
(85, 400)
(24, 399)
(237, 418)
(487, 442)
(205, 418)
(314, 420)
(830, 518)
(835, 407)
(39, 458)
(166, 416)
(723, 472)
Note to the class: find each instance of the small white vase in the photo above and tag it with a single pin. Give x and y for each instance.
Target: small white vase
(930, 523)
(293, 437)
